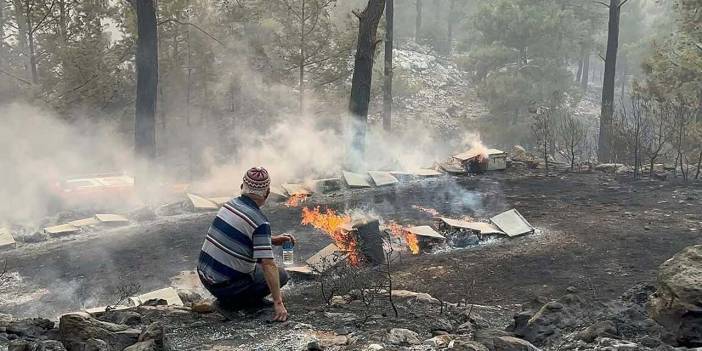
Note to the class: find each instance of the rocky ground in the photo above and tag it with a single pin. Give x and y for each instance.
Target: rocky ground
(575, 321)
(599, 236)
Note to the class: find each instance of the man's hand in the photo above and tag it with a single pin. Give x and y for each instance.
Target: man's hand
(279, 240)
(280, 314)
(270, 272)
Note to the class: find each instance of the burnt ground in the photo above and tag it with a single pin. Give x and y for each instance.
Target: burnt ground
(597, 233)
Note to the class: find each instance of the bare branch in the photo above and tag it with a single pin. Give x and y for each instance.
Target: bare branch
(602, 3)
(622, 3)
(15, 77)
(194, 26)
(41, 21)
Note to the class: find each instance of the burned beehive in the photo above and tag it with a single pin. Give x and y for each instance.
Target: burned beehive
(369, 241)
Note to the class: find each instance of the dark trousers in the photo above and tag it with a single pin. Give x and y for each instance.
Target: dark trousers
(247, 291)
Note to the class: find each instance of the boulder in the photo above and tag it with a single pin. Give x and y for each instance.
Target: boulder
(596, 330)
(51, 345)
(76, 329)
(96, 345)
(439, 341)
(547, 322)
(400, 336)
(414, 296)
(29, 328)
(128, 317)
(488, 336)
(677, 304)
(5, 319)
(613, 168)
(466, 345)
(40, 345)
(519, 153)
(153, 332)
(149, 345)
(510, 343)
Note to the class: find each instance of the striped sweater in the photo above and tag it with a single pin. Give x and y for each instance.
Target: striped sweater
(239, 236)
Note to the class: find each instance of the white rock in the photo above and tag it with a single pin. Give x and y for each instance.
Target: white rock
(438, 341)
(401, 336)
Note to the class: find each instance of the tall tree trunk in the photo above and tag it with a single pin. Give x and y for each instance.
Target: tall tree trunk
(418, 22)
(30, 43)
(585, 79)
(147, 86)
(387, 91)
(451, 21)
(2, 29)
(188, 103)
(302, 59)
(579, 75)
(604, 152)
(363, 73)
(622, 81)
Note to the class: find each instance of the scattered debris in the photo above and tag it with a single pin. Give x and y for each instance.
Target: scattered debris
(220, 200)
(477, 159)
(169, 294)
(512, 223)
(479, 227)
(453, 167)
(60, 230)
(112, 219)
(425, 231)
(382, 178)
(324, 259)
(277, 194)
(7, 241)
(357, 180)
(426, 172)
(296, 189)
(325, 185)
(86, 222)
(201, 203)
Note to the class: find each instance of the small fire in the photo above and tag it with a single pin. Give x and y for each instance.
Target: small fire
(410, 239)
(430, 211)
(333, 224)
(296, 199)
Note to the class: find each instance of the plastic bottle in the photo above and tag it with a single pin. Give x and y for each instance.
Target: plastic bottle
(288, 254)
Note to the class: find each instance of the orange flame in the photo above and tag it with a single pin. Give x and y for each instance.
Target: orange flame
(410, 239)
(296, 199)
(430, 211)
(333, 224)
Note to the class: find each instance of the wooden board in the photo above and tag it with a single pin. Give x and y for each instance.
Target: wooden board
(357, 180)
(482, 227)
(426, 172)
(326, 258)
(7, 241)
(512, 223)
(201, 203)
(111, 218)
(425, 231)
(220, 200)
(85, 222)
(63, 229)
(382, 178)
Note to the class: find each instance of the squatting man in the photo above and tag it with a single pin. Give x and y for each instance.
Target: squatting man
(236, 262)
